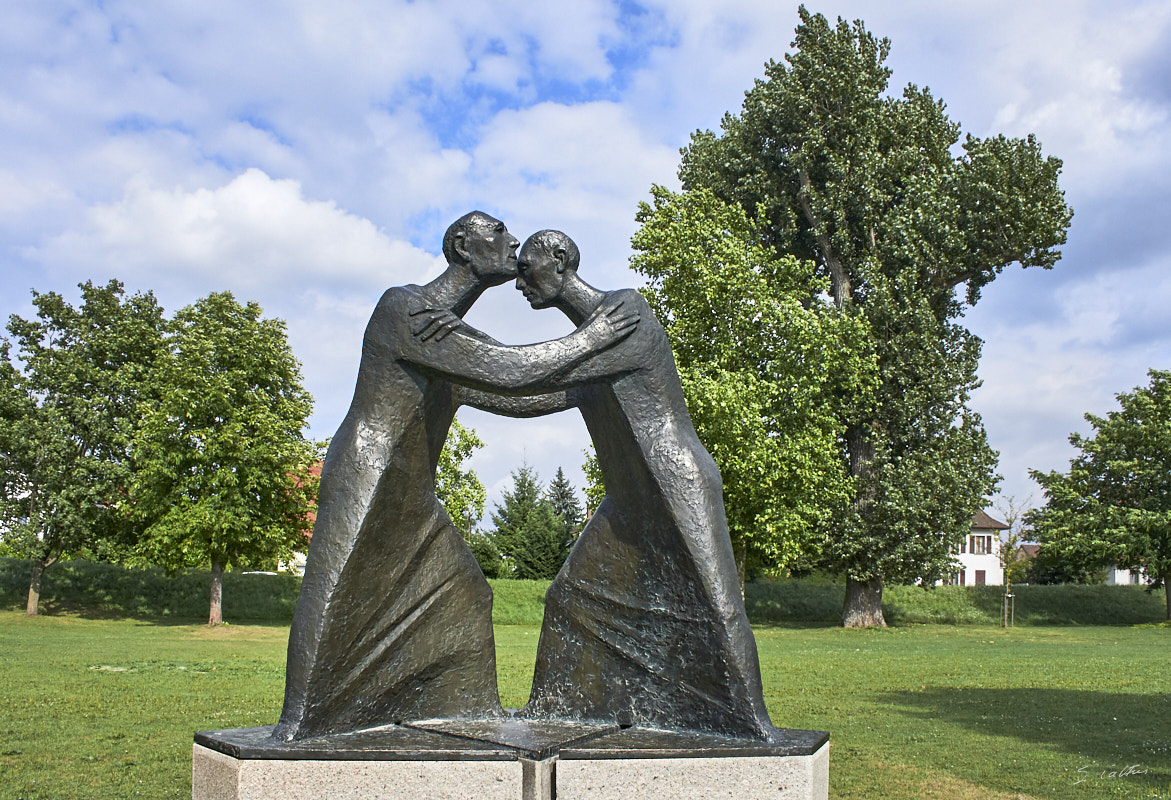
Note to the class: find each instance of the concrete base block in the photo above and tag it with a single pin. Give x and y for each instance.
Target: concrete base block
(748, 778)
(509, 760)
(216, 776)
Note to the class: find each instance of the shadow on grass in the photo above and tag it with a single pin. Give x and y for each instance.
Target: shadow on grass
(1105, 728)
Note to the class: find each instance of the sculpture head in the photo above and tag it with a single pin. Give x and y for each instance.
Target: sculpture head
(482, 243)
(547, 260)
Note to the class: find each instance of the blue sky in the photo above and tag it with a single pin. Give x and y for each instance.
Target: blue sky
(307, 156)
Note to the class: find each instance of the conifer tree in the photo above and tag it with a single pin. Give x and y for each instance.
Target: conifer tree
(563, 498)
(527, 531)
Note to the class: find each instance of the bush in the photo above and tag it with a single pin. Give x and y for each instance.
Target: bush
(114, 590)
(150, 592)
(818, 601)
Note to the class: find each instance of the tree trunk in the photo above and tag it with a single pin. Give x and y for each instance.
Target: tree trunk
(740, 552)
(33, 607)
(1167, 594)
(216, 617)
(863, 605)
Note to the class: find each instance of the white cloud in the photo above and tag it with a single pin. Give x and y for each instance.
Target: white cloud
(251, 234)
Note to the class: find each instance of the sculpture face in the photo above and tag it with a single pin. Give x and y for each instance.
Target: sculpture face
(492, 251)
(540, 276)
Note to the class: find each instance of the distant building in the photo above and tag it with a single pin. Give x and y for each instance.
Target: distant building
(979, 554)
(297, 565)
(1122, 577)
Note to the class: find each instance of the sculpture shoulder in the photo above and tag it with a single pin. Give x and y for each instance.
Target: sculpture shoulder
(388, 321)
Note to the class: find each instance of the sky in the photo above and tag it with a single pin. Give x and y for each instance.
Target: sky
(308, 156)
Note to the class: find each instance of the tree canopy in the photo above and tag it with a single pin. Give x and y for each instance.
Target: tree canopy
(907, 224)
(1113, 506)
(765, 370)
(224, 464)
(69, 418)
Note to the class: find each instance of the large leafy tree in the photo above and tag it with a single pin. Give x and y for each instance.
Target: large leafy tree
(223, 461)
(767, 372)
(908, 224)
(527, 531)
(68, 420)
(1113, 506)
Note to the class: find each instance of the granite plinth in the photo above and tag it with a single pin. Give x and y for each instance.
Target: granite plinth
(509, 758)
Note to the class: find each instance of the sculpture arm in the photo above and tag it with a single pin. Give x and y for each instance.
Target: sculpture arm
(535, 406)
(464, 357)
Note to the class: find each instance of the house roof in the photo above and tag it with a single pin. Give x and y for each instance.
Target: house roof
(984, 522)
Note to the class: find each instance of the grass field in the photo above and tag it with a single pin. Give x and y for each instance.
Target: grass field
(105, 708)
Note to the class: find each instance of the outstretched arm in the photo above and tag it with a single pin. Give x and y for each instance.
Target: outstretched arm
(467, 358)
(535, 406)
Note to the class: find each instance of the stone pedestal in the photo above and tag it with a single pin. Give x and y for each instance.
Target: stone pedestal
(509, 759)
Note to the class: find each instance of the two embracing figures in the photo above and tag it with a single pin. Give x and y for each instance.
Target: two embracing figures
(644, 624)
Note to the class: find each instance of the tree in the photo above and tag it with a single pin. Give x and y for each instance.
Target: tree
(528, 532)
(563, 499)
(1113, 506)
(595, 488)
(463, 495)
(460, 490)
(765, 371)
(873, 190)
(224, 464)
(1013, 513)
(68, 421)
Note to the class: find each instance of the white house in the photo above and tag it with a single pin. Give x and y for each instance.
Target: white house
(1116, 576)
(979, 554)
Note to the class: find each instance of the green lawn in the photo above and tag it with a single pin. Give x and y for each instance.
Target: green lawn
(105, 708)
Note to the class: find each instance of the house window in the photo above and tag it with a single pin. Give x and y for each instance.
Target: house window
(980, 545)
(1134, 576)
(979, 577)
(963, 572)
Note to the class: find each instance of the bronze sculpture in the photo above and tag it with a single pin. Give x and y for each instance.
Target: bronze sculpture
(644, 625)
(394, 618)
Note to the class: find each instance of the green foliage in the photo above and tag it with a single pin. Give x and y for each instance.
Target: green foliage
(224, 463)
(562, 498)
(1114, 504)
(767, 373)
(595, 488)
(460, 490)
(872, 189)
(69, 416)
(527, 531)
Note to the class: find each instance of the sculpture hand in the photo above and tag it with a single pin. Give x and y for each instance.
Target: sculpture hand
(434, 323)
(610, 323)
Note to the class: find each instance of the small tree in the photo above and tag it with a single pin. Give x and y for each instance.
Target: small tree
(563, 499)
(464, 497)
(68, 421)
(595, 489)
(1013, 513)
(528, 532)
(459, 489)
(1113, 506)
(224, 478)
